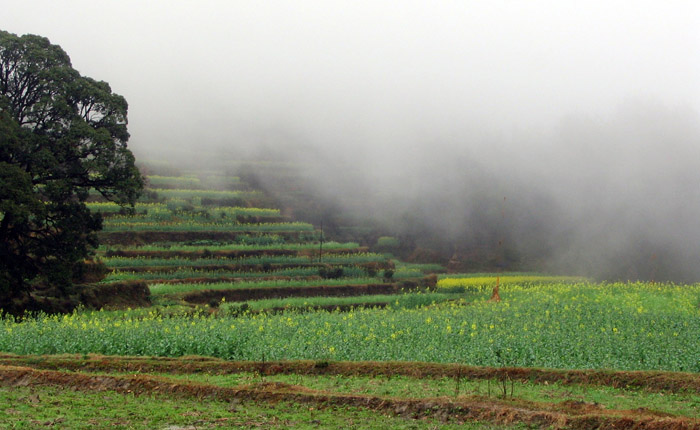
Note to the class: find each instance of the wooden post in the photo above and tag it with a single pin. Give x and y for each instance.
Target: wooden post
(320, 247)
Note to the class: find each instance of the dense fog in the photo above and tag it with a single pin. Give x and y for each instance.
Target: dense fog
(561, 136)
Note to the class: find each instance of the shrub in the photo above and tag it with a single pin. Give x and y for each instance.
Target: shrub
(330, 272)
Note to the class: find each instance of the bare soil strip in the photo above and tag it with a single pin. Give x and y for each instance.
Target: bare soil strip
(572, 415)
(650, 380)
(245, 294)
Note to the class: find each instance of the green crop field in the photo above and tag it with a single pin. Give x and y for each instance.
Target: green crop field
(272, 283)
(576, 326)
(203, 194)
(279, 291)
(260, 243)
(356, 258)
(159, 226)
(186, 274)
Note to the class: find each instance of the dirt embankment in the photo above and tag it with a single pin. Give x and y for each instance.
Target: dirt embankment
(655, 381)
(573, 415)
(244, 294)
(117, 295)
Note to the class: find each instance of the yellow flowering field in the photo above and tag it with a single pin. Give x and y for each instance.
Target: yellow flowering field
(630, 326)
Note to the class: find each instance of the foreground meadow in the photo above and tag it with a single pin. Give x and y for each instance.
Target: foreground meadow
(624, 326)
(78, 391)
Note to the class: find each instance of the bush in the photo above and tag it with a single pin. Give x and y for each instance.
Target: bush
(330, 272)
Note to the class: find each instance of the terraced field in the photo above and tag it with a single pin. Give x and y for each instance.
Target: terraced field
(255, 319)
(188, 245)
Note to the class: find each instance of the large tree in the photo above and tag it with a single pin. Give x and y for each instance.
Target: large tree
(62, 137)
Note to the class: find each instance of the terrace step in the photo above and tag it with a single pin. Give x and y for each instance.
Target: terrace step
(141, 237)
(193, 255)
(245, 294)
(245, 219)
(231, 279)
(262, 268)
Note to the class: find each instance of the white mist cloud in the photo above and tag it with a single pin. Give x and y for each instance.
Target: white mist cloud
(583, 113)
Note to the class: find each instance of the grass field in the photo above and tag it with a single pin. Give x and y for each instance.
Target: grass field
(57, 407)
(128, 392)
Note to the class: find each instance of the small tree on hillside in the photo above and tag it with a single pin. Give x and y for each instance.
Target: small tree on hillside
(62, 136)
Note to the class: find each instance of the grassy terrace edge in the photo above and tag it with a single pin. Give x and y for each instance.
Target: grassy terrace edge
(656, 381)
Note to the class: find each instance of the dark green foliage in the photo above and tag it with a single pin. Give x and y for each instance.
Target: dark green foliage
(330, 272)
(61, 135)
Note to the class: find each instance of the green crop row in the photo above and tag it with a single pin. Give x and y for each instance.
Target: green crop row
(204, 194)
(406, 300)
(266, 243)
(111, 207)
(418, 267)
(485, 282)
(164, 212)
(158, 289)
(351, 271)
(186, 182)
(120, 225)
(357, 258)
(609, 326)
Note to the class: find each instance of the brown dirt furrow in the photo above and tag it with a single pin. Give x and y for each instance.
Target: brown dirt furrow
(440, 408)
(648, 380)
(244, 294)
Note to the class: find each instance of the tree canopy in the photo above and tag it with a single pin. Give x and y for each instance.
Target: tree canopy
(63, 136)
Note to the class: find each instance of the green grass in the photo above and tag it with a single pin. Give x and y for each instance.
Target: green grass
(187, 182)
(214, 225)
(418, 267)
(271, 242)
(356, 258)
(160, 213)
(682, 404)
(159, 289)
(409, 300)
(54, 407)
(205, 194)
(489, 274)
(110, 207)
(352, 272)
(486, 281)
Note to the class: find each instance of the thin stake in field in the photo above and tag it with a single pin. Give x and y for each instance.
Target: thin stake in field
(320, 246)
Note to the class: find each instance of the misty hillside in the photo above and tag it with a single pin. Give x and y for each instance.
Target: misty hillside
(557, 136)
(612, 199)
